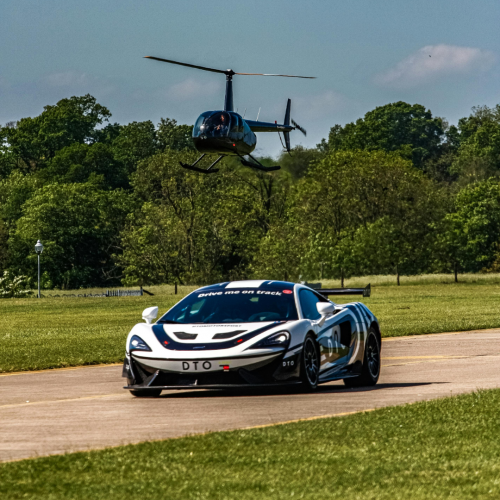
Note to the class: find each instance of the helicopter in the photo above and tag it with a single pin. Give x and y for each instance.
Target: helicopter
(226, 133)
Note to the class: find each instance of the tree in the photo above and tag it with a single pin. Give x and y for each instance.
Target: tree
(194, 228)
(4, 238)
(470, 233)
(410, 130)
(86, 162)
(338, 204)
(479, 150)
(79, 226)
(135, 142)
(15, 190)
(35, 141)
(173, 136)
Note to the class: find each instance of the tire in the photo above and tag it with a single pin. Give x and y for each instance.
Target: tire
(153, 393)
(370, 371)
(309, 366)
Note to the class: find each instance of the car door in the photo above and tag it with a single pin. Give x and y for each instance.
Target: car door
(336, 337)
(328, 353)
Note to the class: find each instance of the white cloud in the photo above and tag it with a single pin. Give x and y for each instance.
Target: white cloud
(434, 61)
(191, 88)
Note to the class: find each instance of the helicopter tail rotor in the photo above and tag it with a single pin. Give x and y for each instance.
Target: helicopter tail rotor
(298, 127)
(286, 122)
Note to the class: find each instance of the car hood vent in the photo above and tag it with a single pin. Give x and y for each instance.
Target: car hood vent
(228, 335)
(185, 336)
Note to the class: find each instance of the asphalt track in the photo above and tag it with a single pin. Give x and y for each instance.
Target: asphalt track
(57, 411)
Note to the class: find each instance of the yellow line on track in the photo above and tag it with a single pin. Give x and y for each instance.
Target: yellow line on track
(422, 357)
(64, 400)
(54, 370)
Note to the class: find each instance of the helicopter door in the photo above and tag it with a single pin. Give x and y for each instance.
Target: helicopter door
(236, 133)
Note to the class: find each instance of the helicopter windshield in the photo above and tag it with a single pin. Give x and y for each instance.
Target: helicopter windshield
(212, 124)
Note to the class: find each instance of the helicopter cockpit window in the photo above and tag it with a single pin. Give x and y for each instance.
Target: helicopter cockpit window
(212, 124)
(199, 127)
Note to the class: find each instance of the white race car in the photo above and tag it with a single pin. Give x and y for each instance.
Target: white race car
(254, 333)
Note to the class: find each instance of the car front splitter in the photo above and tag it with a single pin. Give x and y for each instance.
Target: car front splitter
(207, 386)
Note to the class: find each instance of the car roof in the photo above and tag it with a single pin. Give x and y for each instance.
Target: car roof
(267, 284)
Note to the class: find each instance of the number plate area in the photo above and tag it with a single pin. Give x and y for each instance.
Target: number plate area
(206, 365)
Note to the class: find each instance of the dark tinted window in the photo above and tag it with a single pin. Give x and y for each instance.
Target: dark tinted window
(237, 305)
(212, 124)
(308, 301)
(236, 124)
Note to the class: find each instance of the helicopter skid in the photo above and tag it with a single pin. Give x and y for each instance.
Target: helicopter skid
(202, 170)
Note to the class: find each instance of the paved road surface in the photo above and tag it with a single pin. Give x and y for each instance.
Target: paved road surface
(85, 408)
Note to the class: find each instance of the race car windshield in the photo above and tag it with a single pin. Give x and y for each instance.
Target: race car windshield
(233, 306)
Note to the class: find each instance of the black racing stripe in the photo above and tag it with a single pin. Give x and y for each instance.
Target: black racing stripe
(363, 312)
(356, 313)
(368, 313)
(174, 345)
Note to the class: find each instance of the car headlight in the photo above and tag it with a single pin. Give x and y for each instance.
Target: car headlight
(137, 344)
(279, 339)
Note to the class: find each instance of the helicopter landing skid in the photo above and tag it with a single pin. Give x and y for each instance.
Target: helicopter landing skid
(202, 170)
(257, 165)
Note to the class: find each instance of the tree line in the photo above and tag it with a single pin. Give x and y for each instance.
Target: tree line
(399, 192)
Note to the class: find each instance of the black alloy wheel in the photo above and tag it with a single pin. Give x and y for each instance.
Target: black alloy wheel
(310, 364)
(152, 393)
(371, 363)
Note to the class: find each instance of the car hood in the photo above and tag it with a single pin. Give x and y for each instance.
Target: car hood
(215, 333)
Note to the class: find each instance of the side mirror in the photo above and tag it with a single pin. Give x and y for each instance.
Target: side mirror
(149, 314)
(325, 309)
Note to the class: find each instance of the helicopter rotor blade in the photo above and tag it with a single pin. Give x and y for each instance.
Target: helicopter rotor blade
(269, 74)
(298, 127)
(224, 72)
(188, 65)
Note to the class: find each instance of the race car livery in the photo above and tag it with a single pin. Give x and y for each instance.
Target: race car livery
(254, 333)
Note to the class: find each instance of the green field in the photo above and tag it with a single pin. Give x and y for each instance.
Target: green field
(441, 449)
(67, 331)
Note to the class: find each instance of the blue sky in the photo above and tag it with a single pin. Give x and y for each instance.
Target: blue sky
(364, 53)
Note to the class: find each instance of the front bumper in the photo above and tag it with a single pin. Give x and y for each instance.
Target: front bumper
(254, 371)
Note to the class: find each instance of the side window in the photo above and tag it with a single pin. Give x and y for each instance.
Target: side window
(308, 301)
(237, 126)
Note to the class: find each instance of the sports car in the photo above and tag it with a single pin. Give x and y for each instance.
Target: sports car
(254, 333)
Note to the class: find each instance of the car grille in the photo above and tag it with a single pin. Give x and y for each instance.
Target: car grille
(185, 336)
(228, 335)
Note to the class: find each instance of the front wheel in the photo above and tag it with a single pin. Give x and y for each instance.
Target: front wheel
(309, 372)
(371, 363)
(153, 393)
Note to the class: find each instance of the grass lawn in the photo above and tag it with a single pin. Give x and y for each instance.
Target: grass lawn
(447, 448)
(66, 331)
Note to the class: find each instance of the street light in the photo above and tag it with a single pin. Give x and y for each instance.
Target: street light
(38, 250)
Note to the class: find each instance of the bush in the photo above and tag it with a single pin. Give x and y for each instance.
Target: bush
(13, 286)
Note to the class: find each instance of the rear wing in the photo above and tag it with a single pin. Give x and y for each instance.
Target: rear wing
(365, 292)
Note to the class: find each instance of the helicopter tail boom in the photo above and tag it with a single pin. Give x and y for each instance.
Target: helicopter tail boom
(268, 127)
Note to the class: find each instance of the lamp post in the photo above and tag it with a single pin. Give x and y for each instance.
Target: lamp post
(38, 250)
